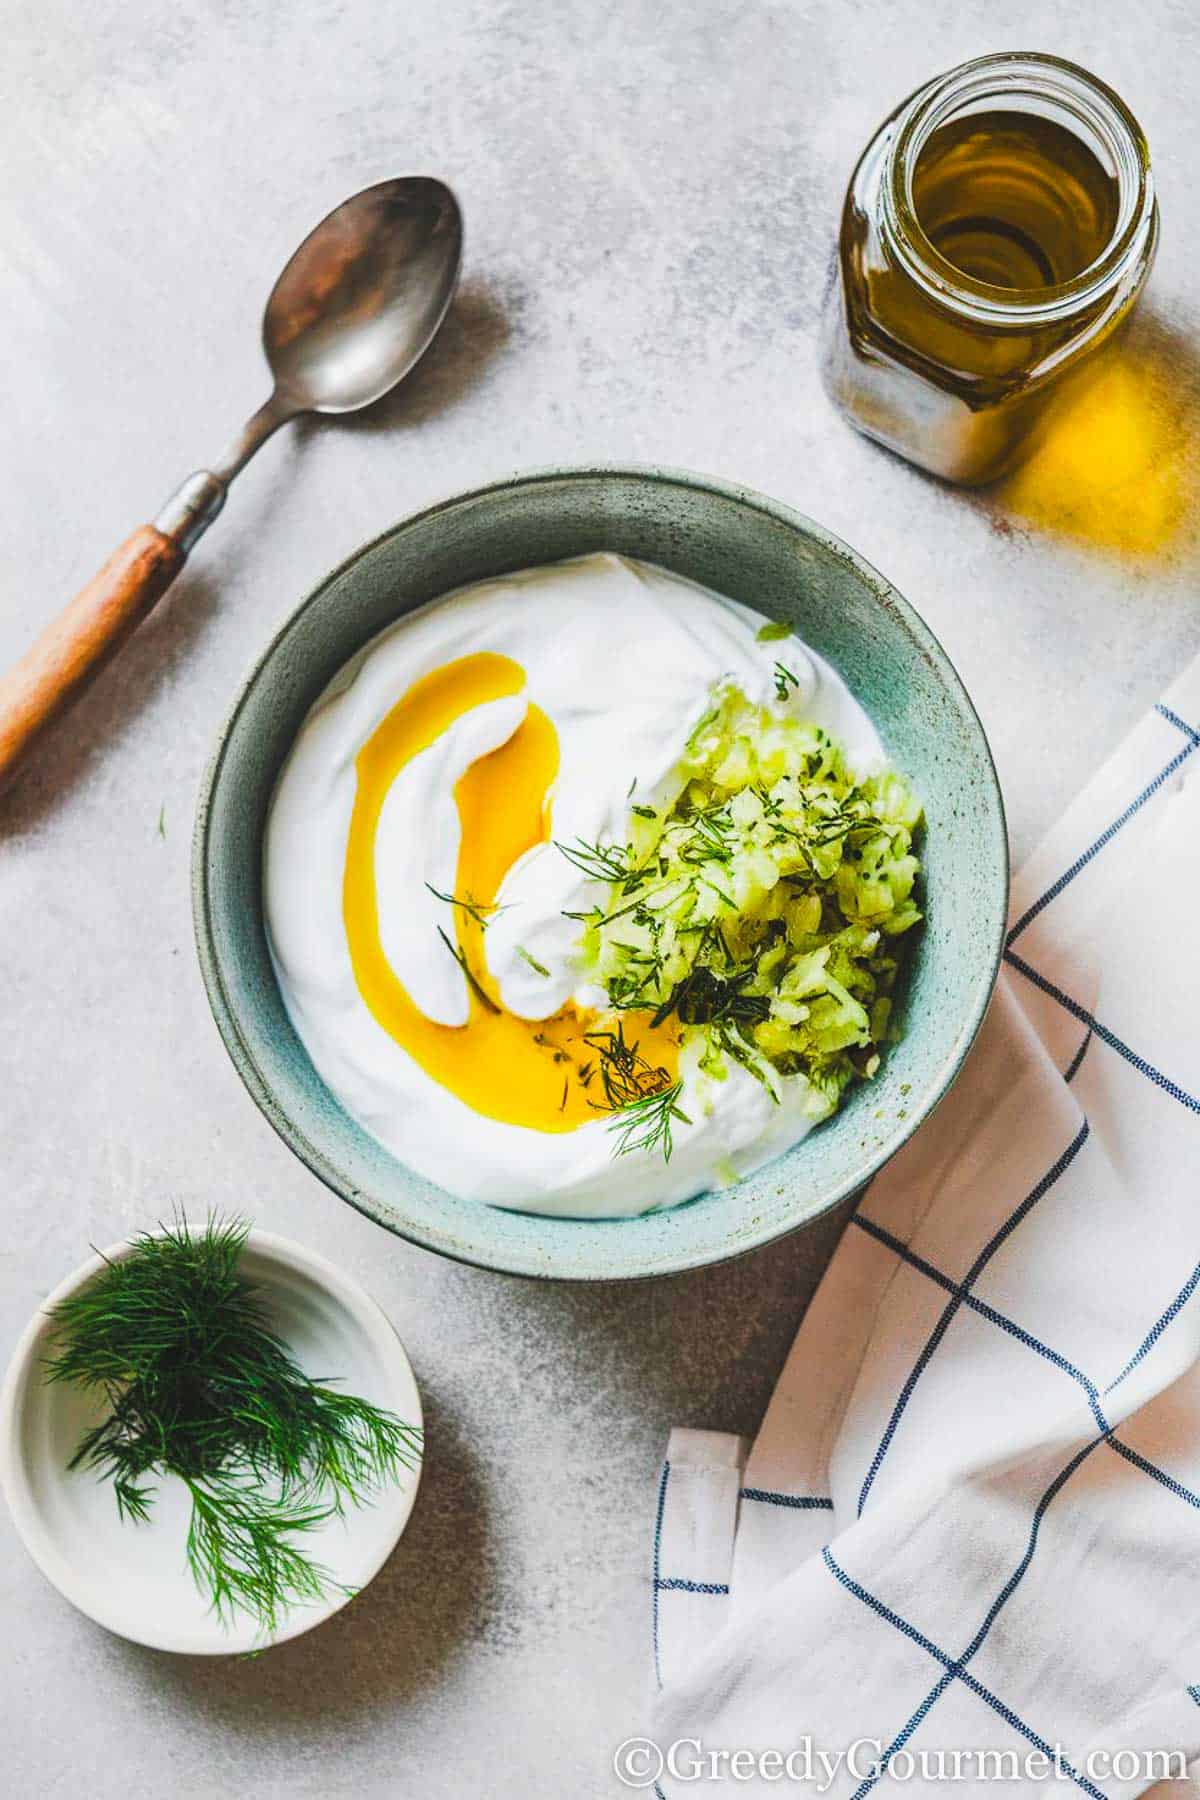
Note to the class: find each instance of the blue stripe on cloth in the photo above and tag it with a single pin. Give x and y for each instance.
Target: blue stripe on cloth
(658, 1525)
(1073, 1067)
(989, 1250)
(1014, 1581)
(1173, 718)
(768, 1497)
(885, 1612)
(1109, 1037)
(954, 1671)
(1056, 1170)
(1160, 1475)
(942, 1280)
(675, 1584)
(1039, 1743)
(1160, 1325)
(902, 1736)
(956, 1667)
(1106, 837)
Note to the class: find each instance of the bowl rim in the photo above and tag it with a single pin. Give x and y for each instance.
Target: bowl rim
(240, 1639)
(239, 1048)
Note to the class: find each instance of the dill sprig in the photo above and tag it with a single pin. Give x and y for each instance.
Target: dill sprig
(640, 1093)
(475, 909)
(199, 1386)
(645, 1124)
(626, 1075)
(469, 975)
(599, 862)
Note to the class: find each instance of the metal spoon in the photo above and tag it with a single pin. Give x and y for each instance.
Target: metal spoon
(352, 312)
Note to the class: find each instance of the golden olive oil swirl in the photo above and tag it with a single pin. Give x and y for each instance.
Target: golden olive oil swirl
(520, 1071)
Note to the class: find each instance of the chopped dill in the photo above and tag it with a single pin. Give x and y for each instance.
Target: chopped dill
(597, 861)
(469, 975)
(719, 891)
(474, 909)
(785, 682)
(762, 909)
(772, 631)
(702, 724)
(703, 998)
(625, 1074)
(537, 967)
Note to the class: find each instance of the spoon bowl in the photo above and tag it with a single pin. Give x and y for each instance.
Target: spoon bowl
(362, 298)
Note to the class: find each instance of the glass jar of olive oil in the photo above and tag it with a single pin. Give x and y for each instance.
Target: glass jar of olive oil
(996, 233)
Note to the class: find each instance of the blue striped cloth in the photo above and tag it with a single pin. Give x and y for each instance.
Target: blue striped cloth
(971, 1518)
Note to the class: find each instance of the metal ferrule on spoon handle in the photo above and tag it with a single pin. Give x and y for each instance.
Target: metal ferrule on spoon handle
(196, 502)
(192, 508)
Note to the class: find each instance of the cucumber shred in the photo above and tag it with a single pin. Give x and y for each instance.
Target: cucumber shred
(761, 903)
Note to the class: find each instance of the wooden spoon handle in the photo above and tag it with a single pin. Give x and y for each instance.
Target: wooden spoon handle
(75, 647)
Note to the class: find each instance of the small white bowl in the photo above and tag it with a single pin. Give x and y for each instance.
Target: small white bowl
(134, 1578)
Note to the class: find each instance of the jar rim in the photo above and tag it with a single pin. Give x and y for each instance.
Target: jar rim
(1033, 75)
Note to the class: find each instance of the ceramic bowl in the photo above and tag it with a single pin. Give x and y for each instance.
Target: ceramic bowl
(740, 544)
(134, 1578)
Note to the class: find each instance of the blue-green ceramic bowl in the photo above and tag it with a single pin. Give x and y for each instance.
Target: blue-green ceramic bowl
(739, 544)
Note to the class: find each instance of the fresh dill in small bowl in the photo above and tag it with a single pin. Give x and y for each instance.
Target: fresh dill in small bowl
(177, 1342)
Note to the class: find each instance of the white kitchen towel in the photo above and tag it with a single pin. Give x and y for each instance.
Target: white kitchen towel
(971, 1519)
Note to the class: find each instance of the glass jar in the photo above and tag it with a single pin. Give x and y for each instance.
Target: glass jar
(996, 234)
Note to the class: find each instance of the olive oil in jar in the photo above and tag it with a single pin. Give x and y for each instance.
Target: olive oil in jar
(996, 233)
(1013, 200)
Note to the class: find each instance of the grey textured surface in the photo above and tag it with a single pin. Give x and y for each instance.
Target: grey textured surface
(650, 192)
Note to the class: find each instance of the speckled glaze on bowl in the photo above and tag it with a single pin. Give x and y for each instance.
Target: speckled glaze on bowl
(738, 543)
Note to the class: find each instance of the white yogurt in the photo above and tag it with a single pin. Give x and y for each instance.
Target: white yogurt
(622, 657)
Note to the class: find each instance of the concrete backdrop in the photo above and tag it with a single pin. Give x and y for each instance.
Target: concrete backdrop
(650, 191)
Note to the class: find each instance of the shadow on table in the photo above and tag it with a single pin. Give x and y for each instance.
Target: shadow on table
(1117, 469)
(156, 655)
(476, 328)
(703, 1349)
(392, 1641)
